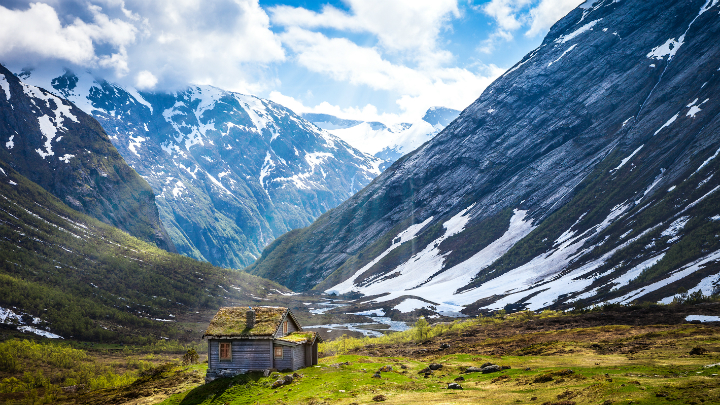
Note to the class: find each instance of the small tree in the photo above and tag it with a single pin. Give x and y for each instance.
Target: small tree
(191, 357)
(422, 327)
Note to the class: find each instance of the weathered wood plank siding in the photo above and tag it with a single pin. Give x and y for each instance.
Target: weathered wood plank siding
(286, 363)
(292, 327)
(246, 354)
(298, 357)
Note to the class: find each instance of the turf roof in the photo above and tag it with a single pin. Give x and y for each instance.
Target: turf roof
(300, 337)
(231, 321)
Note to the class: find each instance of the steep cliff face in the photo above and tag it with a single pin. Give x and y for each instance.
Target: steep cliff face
(59, 147)
(230, 172)
(584, 174)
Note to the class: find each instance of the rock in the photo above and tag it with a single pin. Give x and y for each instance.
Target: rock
(485, 365)
(385, 369)
(472, 369)
(505, 367)
(454, 386)
(278, 383)
(661, 394)
(493, 368)
(296, 375)
(376, 375)
(425, 370)
(266, 373)
(461, 378)
(288, 379)
(402, 366)
(444, 346)
(435, 366)
(379, 398)
(697, 351)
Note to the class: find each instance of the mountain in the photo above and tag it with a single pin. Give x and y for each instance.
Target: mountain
(65, 274)
(64, 150)
(386, 142)
(584, 175)
(231, 172)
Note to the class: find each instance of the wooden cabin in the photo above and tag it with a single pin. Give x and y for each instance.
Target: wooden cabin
(242, 339)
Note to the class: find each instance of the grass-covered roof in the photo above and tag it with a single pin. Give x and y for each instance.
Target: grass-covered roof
(301, 337)
(231, 321)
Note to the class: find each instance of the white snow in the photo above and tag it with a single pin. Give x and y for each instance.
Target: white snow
(694, 109)
(678, 274)
(49, 131)
(267, 167)
(667, 124)
(672, 188)
(676, 226)
(411, 304)
(399, 137)
(657, 180)
(135, 141)
(561, 56)
(178, 189)
(133, 92)
(702, 318)
(39, 332)
(715, 218)
(633, 273)
(5, 85)
(66, 158)
(717, 152)
(588, 4)
(696, 202)
(12, 183)
(370, 312)
(669, 48)
(10, 144)
(587, 27)
(624, 161)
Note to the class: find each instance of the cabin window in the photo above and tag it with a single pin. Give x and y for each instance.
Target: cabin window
(225, 351)
(285, 328)
(278, 352)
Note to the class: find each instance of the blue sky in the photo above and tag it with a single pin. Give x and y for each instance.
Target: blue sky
(385, 60)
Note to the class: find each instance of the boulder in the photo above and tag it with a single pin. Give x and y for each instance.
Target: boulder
(454, 386)
(278, 383)
(376, 375)
(435, 366)
(288, 379)
(385, 369)
(472, 369)
(493, 368)
(461, 378)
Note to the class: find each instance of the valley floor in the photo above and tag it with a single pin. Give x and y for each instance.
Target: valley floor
(648, 355)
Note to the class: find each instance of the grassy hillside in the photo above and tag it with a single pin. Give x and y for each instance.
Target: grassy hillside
(89, 281)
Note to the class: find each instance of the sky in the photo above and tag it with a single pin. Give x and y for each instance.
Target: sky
(372, 60)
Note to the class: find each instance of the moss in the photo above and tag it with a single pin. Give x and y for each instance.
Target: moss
(231, 321)
(300, 337)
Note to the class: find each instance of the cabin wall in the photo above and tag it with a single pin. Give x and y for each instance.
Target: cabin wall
(248, 354)
(292, 327)
(286, 363)
(298, 357)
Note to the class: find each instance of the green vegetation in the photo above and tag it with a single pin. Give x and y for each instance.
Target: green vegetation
(89, 281)
(610, 364)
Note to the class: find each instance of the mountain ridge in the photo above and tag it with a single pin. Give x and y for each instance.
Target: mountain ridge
(535, 160)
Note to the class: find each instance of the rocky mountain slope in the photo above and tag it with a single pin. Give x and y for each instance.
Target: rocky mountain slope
(386, 142)
(585, 174)
(231, 172)
(64, 150)
(65, 274)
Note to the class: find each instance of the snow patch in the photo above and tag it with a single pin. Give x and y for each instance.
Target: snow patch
(702, 318)
(10, 144)
(669, 49)
(561, 56)
(587, 27)
(136, 95)
(694, 109)
(705, 163)
(624, 161)
(5, 86)
(668, 123)
(66, 158)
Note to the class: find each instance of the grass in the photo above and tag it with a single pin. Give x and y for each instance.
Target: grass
(622, 364)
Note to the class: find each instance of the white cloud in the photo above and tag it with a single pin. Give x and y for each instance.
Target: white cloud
(417, 88)
(223, 42)
(367, 113)
(511, 15)
(37, 34)
(145, 80)
(409, 26)
(547, 13)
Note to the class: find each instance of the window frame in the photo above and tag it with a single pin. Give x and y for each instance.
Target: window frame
(285, 327)
(278, 349)
(229, 351)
